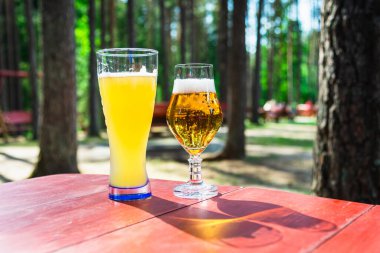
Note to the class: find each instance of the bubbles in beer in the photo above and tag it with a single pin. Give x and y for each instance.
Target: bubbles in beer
(194, 115)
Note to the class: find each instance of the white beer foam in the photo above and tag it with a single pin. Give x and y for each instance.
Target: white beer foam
(192, 85)
(125, 73)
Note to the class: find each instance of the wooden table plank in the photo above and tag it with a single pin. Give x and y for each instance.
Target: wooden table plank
(25, 194)
(77, 209)
(363, 235)
(246, 220)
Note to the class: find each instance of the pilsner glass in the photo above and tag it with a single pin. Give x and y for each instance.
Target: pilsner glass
(194, 117)
(127, 82)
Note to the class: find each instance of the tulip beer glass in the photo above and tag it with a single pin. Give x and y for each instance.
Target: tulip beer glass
(194, 117)
(127, 83)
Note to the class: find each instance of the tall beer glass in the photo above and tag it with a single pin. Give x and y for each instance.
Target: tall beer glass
(194, 117)
(127, 82)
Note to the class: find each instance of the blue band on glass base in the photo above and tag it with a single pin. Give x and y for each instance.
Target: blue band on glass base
(129, 194)
(129, 197)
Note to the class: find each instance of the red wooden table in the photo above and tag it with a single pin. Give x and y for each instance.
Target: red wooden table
(71, 213)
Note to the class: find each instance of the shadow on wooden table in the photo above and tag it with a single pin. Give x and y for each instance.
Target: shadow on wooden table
(236, 223)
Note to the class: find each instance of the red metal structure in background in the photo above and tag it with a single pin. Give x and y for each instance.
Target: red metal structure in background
(308, 109)
(13, 121)
(13, 73)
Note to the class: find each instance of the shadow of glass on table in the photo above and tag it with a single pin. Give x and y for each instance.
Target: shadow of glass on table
(235, 223)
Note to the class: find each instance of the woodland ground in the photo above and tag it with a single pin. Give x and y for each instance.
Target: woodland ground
(279, 155)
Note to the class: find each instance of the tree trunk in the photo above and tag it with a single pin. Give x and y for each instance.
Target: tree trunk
(168, 21)
(164, 55)
(32, 66)
(3, 90)
(223, 48)
(182, 13)
(14, 86)
(235, 144)
(103, 44)
(103, 24)
(16, 47)
(347, 149)
(256, 87)
(279, 39)
(58, 142)
(131, 24)
(310, 66)
(289, 58)
(9, 56)
(270, 72)
(93, 84)
(313, 57)
(3, 87)
(193, 36)
(297, 74)
(111, 22)
(150, 22)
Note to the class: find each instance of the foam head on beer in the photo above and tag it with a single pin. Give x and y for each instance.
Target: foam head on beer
(193, 85)
(142, 72)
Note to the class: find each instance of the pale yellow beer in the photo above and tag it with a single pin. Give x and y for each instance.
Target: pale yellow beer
(127, 83)
(128, 104)
(194, 114)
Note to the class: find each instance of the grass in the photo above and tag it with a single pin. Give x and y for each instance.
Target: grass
(274, 161)
(302, 121)
(291, 128)
(280, 141)
(22, 141)
(18, 142)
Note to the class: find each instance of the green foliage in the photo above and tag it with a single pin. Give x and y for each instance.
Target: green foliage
(82, 59)
(22, 35)
(277, 20)
(121, 24)
(147, 30)
(280, 141)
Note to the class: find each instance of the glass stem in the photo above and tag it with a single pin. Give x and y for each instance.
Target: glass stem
(195, 169)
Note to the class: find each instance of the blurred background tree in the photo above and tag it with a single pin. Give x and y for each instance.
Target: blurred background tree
(256, 85)
(236, 85)
(58, 138)
(94, 98)
(32, 67)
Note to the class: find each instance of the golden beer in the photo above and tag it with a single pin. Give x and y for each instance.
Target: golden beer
(194, 119)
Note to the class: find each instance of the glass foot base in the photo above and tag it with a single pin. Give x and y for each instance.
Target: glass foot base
(195, 191)
(129, 194)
